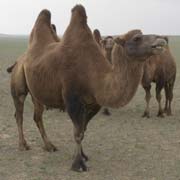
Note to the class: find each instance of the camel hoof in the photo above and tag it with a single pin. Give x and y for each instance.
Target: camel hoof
(79, 165)
(50, 148)
(106, 112)
(146, 114)
(24, 147)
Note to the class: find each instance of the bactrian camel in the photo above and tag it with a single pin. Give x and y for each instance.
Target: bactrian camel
(160, 69)
(75, 73)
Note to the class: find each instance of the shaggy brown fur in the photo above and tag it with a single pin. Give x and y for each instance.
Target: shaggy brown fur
(160, 69)
(75, 73)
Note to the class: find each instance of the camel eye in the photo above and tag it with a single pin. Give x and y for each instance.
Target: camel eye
(137, 39)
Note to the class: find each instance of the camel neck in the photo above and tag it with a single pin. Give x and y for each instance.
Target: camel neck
(121, 84)
(108, 54)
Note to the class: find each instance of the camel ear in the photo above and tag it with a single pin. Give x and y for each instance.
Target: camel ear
(119, 41)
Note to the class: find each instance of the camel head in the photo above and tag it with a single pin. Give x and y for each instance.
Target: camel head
(137, 46)
(108, 43)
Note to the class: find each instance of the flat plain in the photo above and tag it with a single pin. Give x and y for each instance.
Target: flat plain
(123, 146)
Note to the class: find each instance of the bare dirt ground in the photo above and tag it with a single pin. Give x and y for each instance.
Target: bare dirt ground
(124, 146)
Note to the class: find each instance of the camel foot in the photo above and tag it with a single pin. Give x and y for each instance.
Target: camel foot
(106, 112)
(50, 147)
(79, 165)
(160, 114)
(24, 147)
(146, 114)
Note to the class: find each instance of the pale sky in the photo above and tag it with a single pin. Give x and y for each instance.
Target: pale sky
(111, 17)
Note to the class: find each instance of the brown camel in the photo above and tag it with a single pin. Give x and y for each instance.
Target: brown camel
(160, 69)
(75, 73)
(108, 43)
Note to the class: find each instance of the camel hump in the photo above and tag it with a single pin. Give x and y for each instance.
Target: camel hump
(42, 30)
(79, 14)
(79, 8)
(97, 36)
(44, 17)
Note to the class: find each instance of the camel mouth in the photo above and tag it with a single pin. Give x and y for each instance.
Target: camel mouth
(157, 47)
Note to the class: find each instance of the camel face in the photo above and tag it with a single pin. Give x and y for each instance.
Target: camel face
(108, 43)
(140, 47)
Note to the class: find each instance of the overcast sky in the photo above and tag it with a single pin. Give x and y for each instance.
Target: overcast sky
(111, 17)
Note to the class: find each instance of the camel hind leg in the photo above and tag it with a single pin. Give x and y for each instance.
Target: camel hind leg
(19, 92)
(38, 111)
(19, 106)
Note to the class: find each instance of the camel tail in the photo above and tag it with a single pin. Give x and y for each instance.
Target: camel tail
(9, 69)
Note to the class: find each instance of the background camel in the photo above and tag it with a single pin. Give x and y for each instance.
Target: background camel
(160, 69)
(108, 43)
(75, 73)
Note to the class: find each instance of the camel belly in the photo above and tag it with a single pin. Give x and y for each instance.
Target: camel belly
(49, 98)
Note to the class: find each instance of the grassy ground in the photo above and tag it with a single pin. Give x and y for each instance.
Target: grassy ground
(123, 146)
